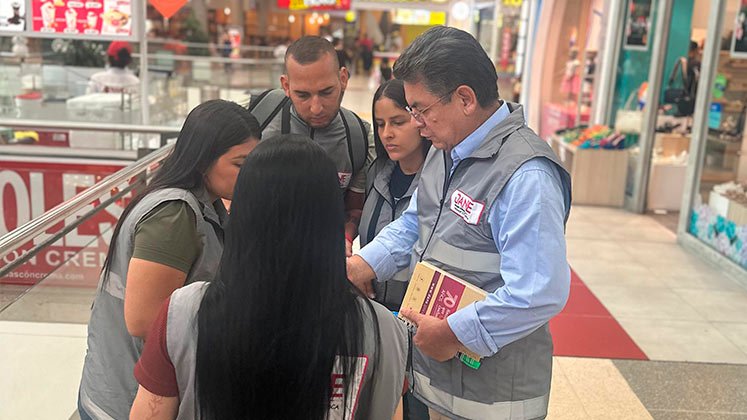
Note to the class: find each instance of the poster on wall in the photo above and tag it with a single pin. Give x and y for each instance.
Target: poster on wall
(89, 17)
(638, 25)
(739, 38)
(12, 15)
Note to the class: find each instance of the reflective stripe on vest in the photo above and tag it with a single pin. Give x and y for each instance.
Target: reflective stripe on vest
(463, 259)
(524, 409)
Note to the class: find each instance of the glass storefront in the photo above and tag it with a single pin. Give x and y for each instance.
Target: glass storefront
(718, 213)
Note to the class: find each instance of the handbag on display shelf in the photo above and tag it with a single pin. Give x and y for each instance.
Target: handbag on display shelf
(680, 96)
(629, 119)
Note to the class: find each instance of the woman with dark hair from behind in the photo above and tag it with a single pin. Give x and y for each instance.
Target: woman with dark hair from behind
(171, 234)
(117, 77)
(281, 333)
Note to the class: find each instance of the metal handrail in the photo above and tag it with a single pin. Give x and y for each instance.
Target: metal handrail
(88, 126)
(252, 48)
(28, 231)
(215, 59)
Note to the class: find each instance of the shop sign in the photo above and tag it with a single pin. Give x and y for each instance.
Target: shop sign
(314, 4)
(418, 17)
(28, 189)
(88, 17)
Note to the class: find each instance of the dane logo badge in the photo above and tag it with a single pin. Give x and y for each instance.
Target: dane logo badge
(344, 179)
(466, 208)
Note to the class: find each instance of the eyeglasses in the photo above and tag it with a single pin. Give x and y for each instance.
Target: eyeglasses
(418, 114)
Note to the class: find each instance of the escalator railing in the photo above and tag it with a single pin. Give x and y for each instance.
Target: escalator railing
(49, 266)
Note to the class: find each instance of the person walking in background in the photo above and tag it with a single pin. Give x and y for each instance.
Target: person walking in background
(366, 46)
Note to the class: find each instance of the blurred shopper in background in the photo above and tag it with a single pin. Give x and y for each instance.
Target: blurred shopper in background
(117, 77)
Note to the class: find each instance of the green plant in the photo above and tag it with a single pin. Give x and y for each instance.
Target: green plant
(79, 53)
(194, 33)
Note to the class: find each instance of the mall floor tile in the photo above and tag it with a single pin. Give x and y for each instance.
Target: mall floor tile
(602, 390)
(40, 369)
(715, 305)
(735, 332)
(645, 302)
(678, 340)
(688, 390)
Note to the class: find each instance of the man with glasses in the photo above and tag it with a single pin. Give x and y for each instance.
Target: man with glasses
(491, 209)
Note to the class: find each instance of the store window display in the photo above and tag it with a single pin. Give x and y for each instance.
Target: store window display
(719, 212)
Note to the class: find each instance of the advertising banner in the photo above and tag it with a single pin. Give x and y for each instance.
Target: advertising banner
(88, 17)
(314, 4)
(28, 188)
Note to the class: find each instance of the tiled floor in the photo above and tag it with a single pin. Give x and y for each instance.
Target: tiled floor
(686, 315)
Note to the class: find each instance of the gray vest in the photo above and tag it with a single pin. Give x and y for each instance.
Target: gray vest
(456, 236)
(379, 202)
(108, 386)
(345, 139)
(384, 387)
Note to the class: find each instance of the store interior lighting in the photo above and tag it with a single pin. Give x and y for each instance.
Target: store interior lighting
(460, 10)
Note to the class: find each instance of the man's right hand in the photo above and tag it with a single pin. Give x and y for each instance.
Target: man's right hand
(361, 275)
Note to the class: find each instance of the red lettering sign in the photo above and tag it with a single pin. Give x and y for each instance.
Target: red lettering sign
(30, 187)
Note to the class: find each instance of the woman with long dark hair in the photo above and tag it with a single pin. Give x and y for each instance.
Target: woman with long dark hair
(171, 234)
(279, 333)
(392, 177)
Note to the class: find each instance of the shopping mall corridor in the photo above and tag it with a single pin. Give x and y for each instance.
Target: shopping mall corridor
(650, 330)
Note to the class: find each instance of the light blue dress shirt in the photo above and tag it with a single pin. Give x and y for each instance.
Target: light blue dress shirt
(527, 222)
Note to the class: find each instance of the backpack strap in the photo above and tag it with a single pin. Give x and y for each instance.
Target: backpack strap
(285, 119)
(267, 105)
(357, 139)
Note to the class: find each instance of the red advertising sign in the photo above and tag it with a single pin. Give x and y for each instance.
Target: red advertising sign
(314, 4)
(32, 186)
(88, 17)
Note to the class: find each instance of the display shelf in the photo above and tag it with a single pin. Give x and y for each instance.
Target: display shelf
(597, 175)
(666, 184)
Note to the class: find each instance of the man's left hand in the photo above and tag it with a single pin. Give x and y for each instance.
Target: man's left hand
(434, 336)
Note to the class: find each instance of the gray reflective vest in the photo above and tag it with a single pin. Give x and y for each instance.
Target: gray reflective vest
(345, 139)
(108, 386)
(382, 383)
(455, 235)
(379, 210)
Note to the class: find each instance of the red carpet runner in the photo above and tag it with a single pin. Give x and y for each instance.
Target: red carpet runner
(586, 329)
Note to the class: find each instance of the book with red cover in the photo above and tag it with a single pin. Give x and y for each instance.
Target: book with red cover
(435, 292)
